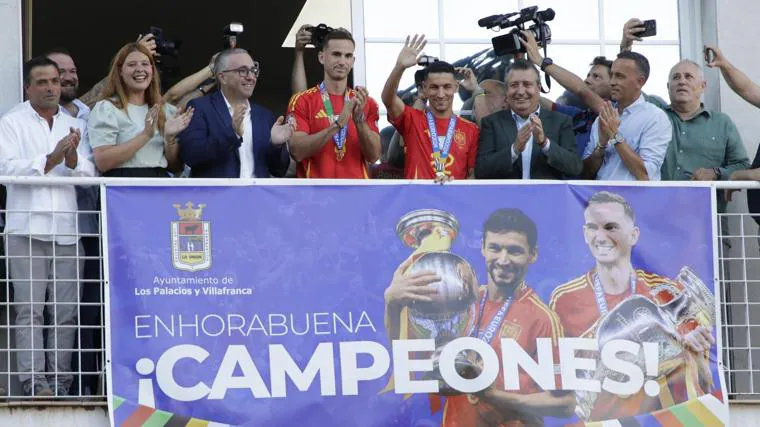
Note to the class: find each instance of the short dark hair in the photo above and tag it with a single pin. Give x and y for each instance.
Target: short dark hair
(57, 50)
(521, 64)
(337, 34)
(439, 67)
(642, 63)
(610, 197)
(511, 219)
(603, 61)
(419, 77)
(37, 62)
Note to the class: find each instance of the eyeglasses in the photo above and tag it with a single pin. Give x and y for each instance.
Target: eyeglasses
(245, 71)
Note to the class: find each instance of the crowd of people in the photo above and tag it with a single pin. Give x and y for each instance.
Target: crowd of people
(207, 126)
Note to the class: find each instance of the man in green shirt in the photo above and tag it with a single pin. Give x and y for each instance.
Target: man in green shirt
(706, 145)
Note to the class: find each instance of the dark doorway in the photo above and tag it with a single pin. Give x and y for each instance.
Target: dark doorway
(93, 30)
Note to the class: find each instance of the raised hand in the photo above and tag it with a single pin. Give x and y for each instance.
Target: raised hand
(470, 81)
(178, 123)
(411, 51)
(531, 47)
(717, 60)
(149, 41)
(630, 29)
(303, 37)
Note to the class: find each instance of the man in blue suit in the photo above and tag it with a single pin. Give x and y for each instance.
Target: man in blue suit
(230, 137)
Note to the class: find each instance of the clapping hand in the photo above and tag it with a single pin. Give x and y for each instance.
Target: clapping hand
(239, 113)
(281, 131)
(178, 123)
(70, 153)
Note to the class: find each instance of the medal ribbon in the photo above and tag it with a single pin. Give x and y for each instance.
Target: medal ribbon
(601, 301)
(340, 137)
(441, 149)
(488, 334)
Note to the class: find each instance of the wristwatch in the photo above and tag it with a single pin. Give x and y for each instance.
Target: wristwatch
(545, 63)
(718, 173)
(616, 140)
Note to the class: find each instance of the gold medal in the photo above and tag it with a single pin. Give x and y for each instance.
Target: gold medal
(340, 152)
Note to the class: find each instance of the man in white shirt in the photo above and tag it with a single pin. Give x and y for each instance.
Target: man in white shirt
(42, 239)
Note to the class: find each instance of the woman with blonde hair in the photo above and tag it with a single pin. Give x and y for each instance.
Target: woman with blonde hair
(131, 130)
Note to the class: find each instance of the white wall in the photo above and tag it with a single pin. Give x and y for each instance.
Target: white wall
(12, 53)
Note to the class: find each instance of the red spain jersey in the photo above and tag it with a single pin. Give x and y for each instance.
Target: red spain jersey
(526, 319)
(308, 110)
(412, 124)
(575, 304)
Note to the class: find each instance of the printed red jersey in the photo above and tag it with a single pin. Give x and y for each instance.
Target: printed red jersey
(308, 110)
(575, 304)
(527, 319)
(412, 125)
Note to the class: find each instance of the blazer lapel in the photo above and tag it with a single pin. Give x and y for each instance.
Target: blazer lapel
(217, 101)
(510, 130)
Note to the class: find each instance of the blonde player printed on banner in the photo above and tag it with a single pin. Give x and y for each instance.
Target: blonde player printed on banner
(616, 301)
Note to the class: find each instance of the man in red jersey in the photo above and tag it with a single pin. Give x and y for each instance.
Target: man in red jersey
(439, 144)
(336, 132)
(581, 304)
(507, 305)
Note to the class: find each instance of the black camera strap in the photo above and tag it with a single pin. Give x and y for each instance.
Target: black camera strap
(546, 76)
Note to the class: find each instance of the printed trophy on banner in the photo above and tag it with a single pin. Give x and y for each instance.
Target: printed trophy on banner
(431, 233)
(672, 309)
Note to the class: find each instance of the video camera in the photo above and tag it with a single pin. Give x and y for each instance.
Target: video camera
(509, 44)
(319, 33)
(231, 33)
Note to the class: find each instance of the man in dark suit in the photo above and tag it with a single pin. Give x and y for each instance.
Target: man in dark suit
(230, 137)
(524, 141)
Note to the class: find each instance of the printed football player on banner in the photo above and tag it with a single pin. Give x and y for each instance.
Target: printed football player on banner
(429, 297)
(616, 301)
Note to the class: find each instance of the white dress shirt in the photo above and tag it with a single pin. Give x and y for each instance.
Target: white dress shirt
(527, 153)
(44, 211)
(246, 148)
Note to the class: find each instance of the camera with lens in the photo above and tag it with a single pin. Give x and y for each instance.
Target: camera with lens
(426, 60)
(318, 34)
(164, 46)
(231, 33)
(168, 61)
(510, 44)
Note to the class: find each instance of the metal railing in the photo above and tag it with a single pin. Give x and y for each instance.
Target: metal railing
(739, 290)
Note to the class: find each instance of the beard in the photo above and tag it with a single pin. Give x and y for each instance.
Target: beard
(497, 275)
(69, 93)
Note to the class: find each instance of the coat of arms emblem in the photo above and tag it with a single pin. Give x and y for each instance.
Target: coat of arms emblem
(191, 239)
